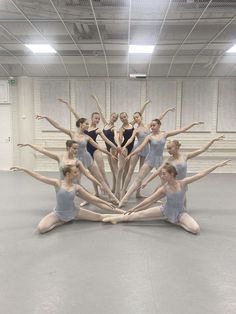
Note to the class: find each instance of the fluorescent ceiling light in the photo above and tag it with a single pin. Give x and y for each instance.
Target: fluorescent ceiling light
(141, 48)
(232, 49)
(138, 75)
(41, 48)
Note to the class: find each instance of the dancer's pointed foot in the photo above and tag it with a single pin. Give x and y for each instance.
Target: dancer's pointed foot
(112, 220)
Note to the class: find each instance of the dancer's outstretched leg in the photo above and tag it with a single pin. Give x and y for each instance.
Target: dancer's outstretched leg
(149, 213)
(85, 214)
(132, 164)
(92, 199)
(121, 166)
(145, 170)
(96, 173)
(100, 163)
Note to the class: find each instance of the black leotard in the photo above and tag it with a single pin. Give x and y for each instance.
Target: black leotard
(127, 135)
(110, 135)
(93, 134)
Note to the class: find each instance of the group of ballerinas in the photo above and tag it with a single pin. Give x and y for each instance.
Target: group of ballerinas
(83, 156)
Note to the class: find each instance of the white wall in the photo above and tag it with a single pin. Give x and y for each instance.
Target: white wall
(194, 99)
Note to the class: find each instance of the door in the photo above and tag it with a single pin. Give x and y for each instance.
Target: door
(6, 151)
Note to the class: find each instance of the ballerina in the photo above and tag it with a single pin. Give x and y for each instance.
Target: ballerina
(66, 191)
(93, 131)
(125, 133)
(82, 154)
(140, 133)
(173, 210)
(178, 160)
(157, 140)
(110, 132)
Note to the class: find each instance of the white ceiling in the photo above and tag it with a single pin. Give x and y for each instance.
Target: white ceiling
(92, 37)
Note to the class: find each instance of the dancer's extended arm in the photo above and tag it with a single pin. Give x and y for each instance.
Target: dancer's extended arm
(76, 115)
(92, 142)
(55, 124)
(142, 109)
(164, 113)
(100, 109)
(139, 148)
(204, 148)
(183, 129)
(42, 151)
(203, 173)
(87, 173)
(159, 194)
(37, 176)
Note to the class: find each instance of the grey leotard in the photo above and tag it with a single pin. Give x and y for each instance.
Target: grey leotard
(83, 155)
(141, 136)
(174, 205)
(65, 209)
(155, 155)
(181, 168)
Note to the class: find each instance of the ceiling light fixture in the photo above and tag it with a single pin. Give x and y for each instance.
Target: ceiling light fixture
(141, 48)
(41, 48)
(138, 75)
(232, 49)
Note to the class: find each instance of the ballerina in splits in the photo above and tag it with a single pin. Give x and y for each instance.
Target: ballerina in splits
(68, 159)
(65, 209)
(82, 154)
(140, 133)
(173, 210)
(157, 140)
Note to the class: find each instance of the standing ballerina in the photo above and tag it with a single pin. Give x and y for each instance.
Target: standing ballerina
(65, 193)
(82, 139)
(125, 133)
(140, 133)
(110, 132)
(157, 140)
(173, 210)
(93, 131)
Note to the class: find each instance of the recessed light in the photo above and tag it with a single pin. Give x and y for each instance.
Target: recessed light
(41, 48)
(232, 49)
(141, 48)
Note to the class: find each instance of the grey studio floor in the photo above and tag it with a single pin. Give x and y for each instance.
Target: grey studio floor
(140, 267)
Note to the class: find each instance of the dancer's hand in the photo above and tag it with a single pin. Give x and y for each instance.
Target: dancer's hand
(127, 158)
(172, 109)
(62, 100)
(16, 168)
(101, 188)
(118, 150)
(218, 138)
(95, 98)
(113, 157)
(198, 123)
(22, 145)
(143, 185)
(39, 117)
(223, 163)
(130, 211)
